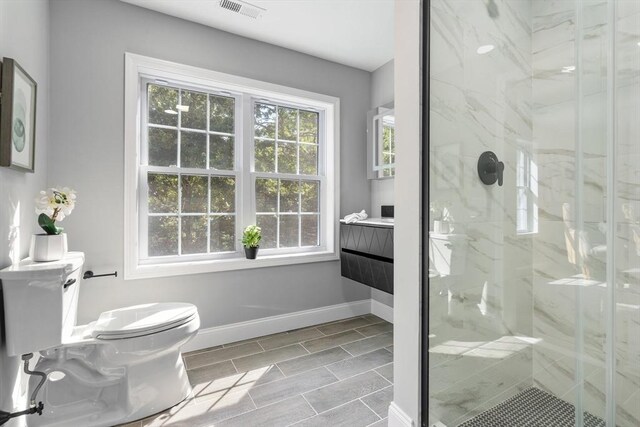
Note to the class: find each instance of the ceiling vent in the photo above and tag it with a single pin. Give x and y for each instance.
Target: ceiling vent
(243, 8)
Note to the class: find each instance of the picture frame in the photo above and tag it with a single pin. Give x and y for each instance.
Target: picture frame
(17, 117)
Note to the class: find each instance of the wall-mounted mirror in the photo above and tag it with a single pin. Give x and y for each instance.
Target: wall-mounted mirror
(381, 147)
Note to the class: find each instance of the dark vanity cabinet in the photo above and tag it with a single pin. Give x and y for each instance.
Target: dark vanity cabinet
(366, 254)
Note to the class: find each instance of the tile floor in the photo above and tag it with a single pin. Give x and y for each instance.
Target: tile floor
(334, 374)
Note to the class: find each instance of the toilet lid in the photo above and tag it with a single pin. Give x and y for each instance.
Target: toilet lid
(142, 319)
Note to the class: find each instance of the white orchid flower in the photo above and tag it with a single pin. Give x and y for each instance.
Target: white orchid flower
(56, 203)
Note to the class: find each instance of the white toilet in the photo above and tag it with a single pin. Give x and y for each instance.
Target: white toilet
(124, 366)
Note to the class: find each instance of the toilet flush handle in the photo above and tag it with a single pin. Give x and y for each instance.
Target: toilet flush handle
(69, 283)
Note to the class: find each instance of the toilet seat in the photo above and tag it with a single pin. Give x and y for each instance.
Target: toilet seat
(141, 320)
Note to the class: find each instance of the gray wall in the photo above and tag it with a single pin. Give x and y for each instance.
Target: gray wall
(24, 30)
(382, 191)
(382, 85)
(88, 41)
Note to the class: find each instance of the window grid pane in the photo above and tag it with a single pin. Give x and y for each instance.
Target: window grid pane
(288, 211)
(182, 207)
(285, 139)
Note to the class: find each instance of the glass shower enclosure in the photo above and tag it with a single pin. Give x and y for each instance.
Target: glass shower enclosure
(532, 299)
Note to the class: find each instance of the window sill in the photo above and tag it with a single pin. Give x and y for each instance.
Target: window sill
(526, 234)
(149, 271)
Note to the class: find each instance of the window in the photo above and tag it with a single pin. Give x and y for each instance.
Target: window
(527, 193)
(188, 168)
(209, 154)
(287, 188)
(388, 144)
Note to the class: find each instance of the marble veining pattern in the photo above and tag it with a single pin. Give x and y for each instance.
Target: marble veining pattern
(548, 287)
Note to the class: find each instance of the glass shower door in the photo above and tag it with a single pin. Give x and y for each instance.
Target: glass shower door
(533, 309)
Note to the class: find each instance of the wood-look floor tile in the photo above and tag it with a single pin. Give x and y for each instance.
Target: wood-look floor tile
(331, 341)
(202, 350)
(331, 364)
(279, 414)
(373, 318)
(208, 373)
(386, 371)
(366, 345)
(339, 393)
(269, 357)
(344, 325)
(312, 361)
(359, 364)
(288, 338)
(288, 387)
(380, 401)
(215, 356)
(239, 381)
(221, 405)
(376, 329)
(353, 414)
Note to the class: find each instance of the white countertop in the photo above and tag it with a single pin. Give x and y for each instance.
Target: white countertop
(374, 222)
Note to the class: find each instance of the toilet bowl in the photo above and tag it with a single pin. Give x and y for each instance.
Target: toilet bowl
(124, 366)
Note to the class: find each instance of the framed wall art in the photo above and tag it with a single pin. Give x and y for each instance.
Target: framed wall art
(17, 117)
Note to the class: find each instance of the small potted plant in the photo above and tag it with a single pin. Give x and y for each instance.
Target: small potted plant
(251, 240)
(52, 205)
(441, 216)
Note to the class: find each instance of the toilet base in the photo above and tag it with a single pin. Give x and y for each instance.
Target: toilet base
(104, 383)
(77, 395)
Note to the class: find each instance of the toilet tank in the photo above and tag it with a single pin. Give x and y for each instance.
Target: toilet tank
(40, 302)
(447, 254)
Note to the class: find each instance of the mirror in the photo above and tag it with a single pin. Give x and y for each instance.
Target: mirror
(381, 143)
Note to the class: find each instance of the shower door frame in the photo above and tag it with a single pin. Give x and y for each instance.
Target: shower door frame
(425, 81)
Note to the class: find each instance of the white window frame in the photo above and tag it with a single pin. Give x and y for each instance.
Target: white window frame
(526, 167)
(138, 70)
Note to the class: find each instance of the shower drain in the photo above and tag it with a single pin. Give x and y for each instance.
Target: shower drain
(532, 408)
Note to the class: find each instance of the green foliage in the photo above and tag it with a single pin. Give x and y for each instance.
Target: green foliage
(251, 236)
(293, 142)
(49, 225)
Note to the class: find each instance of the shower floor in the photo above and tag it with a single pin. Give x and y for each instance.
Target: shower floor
(532, 408)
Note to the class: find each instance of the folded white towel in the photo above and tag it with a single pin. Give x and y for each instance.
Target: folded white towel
(355, 217)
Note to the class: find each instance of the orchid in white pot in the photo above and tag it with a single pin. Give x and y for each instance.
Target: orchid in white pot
(52, 205)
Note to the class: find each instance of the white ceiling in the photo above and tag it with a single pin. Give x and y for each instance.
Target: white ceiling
(358, 33)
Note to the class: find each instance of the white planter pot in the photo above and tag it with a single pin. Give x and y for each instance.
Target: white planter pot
(441, 227)
(46, 247)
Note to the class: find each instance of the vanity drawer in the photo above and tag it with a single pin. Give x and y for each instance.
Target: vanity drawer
(366, 239)
(366, 255)
(370, 271)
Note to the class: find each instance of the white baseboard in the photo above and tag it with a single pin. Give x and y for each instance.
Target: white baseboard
(225, 334)
(399, 418)
(381, 310)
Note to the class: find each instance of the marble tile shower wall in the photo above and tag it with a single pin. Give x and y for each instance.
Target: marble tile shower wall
(628, 232)
(480, 311)
(515, 313)
(628, 215)
(569, 298)
(558, 282)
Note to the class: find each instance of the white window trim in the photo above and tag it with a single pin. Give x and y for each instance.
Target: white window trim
(138, 67)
